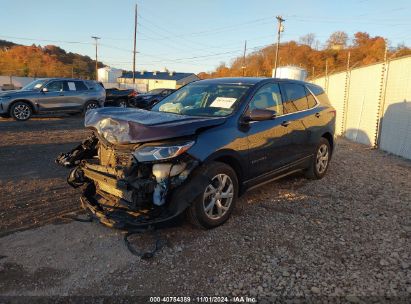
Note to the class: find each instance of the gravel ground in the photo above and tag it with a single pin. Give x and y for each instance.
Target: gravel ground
(348, 235)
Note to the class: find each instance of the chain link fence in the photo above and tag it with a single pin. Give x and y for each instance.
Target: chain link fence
(373, 104)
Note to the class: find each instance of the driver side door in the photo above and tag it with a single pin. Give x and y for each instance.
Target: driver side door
(53, 98)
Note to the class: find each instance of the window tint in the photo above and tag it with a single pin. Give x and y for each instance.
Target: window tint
(80, 86)
(55, 86)
(268, 97)
(295, 97)
(319, 93)
(311, 100)
(315, 89)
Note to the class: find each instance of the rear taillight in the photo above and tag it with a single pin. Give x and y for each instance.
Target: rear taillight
(333, 112)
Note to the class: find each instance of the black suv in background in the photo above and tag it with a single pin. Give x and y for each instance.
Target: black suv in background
(200, 148)
(119, 98)
(146, 100)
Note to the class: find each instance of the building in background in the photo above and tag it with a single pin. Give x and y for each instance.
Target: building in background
(157, 80)
(108, 74)
(291, 72)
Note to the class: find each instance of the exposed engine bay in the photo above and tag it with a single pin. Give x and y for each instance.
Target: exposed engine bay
(122, 191)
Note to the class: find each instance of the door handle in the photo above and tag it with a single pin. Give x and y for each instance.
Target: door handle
(285, 123)
(317, 114)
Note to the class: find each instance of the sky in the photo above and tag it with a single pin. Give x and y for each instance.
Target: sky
(192, 35)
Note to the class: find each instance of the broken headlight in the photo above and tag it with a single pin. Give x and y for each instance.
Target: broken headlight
(152, 153)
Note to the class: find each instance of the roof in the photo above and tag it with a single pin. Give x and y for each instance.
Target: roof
(159, 75)
(247, 80)
(236, 80)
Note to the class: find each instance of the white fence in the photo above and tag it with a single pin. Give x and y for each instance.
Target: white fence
(15, 81)
(373, 104)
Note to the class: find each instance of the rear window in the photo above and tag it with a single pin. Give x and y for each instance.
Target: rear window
(319, 93)
(80, 86)
(311, 100)
(295, 98)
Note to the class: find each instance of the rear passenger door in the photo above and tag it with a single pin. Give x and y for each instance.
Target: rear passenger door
(76, 93)
(296, 114)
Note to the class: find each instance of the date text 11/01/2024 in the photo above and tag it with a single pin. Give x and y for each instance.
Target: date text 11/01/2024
(204, 299)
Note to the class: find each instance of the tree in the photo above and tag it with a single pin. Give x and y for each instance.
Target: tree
(337, 39)
(308, 39)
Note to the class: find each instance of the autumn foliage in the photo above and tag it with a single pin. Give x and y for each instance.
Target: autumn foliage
(47, 61)
(363, 50)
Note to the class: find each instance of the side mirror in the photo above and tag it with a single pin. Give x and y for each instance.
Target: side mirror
(44, 90)
(260, 115)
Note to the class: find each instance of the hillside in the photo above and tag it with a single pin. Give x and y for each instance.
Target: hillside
(363, 49)
(47, 61)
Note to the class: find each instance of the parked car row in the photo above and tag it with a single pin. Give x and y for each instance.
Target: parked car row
(71, 96)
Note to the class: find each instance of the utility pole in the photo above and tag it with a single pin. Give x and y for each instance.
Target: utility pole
(245, 50)
(280, 29)
(134, 50)
(96, 40)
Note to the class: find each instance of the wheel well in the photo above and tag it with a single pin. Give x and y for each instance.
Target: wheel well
(235, 165)
(25, 101)
(330, 139)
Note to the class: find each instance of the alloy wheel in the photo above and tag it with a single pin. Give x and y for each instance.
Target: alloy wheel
(322, 158)
(22, 111)
(218, 196)
(92, 105)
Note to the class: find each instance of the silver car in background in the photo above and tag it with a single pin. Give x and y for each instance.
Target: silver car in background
(52, 95)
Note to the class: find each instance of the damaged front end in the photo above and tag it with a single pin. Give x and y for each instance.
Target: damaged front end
(132, 185)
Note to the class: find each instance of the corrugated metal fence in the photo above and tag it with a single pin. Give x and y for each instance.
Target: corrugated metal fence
(373, 104)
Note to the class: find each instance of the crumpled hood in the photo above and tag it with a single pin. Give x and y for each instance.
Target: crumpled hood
(125, 125)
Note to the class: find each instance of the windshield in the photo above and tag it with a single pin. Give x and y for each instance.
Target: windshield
(197, 99)
(35, 85)
(155, 91)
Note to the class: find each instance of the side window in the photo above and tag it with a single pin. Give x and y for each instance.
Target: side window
(80, 86)
(295, 98)
(55, 86)
(267, 97)
(71, 86)
(311, 100)
(319, 93)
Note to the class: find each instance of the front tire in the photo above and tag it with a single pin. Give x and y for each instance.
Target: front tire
(215, 205)
(321, 160)
(21, 111)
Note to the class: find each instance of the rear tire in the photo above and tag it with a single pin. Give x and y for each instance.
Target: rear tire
(215, 205)
(90, 106)
(321, 160)
(122, 103)
(21, 111)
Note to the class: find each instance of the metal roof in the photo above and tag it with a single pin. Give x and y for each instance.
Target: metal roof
(158, 75)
